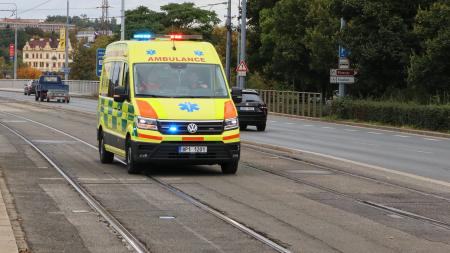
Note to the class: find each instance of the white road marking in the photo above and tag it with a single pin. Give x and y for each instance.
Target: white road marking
(290, 123)
(425, 152)
(351, 130)
(328, 127)
(429, 139)
(307, 125)
(401, 136)
(51, 178)
(374, 133)
(273, 121)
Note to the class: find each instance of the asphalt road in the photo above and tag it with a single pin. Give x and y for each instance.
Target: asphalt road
(317, 214)
(414, 154)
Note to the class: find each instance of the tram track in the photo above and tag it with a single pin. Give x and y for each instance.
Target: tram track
(371, 204)
(112, 221)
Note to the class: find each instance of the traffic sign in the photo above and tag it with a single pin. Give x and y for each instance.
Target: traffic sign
(242, 69)
(11, 51)
(99, 60)
(343, 53)
(344, 63)
(342, 72)
(65, 70)
(342, 79)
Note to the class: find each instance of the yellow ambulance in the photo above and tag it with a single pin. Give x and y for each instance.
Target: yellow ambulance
(166, 101)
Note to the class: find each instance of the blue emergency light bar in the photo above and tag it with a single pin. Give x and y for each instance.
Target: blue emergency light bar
(143, 36)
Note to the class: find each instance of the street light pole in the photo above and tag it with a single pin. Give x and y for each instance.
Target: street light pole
(122, 22)
(229, 42)
(15, 46)
(66, 46)
(243, 39)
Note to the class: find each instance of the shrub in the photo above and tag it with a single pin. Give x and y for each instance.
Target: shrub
(430, 117)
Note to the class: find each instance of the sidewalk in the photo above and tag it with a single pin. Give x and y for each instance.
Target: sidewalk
(7, 240)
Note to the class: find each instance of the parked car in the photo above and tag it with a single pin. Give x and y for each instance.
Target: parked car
(30, 87)
(252, 110)
(51, 87)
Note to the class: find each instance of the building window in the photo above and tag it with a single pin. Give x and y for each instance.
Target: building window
(32, 56)
(26, 56)
(54, 65)
(46, 65)
(47, 56)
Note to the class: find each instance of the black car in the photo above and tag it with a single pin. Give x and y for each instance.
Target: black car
(30, 88)
(252, 110)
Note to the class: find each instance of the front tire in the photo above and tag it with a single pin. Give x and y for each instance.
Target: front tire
(230, 167)
(132, 165)
(105, 156)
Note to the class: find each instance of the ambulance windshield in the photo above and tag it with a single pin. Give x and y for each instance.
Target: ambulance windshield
(183, 80)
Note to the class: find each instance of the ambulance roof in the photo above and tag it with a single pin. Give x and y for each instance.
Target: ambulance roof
(164, 51)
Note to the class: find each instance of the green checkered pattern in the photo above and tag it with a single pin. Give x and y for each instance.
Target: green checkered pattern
(114, 119)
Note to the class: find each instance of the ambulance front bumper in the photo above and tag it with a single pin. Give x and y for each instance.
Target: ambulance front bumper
(169, 152)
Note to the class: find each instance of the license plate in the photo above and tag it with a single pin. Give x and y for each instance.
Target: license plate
(246, 108)
(193, 149)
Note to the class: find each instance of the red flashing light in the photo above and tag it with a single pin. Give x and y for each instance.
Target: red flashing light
(176, 36)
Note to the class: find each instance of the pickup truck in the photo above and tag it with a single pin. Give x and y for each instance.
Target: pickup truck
(51, 87)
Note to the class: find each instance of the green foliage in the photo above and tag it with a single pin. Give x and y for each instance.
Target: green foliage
(173, 17)
(429, 71)
(83, 66)
(431, 117)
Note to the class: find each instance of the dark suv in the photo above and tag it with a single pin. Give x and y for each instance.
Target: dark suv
(252, 110)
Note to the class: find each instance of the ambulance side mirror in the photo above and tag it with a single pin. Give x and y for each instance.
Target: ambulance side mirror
(236, 94)
(120, 94)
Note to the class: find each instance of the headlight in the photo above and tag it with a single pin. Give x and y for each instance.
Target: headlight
(146, 123)
(232, 123)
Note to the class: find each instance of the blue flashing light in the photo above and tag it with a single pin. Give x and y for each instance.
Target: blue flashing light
(143, 36)
(173, 129)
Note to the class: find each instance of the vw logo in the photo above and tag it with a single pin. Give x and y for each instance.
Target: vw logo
(192, 128)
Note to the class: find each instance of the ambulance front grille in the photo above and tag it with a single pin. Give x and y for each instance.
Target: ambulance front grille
(204, 127)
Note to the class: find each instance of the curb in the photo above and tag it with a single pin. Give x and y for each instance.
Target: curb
(367, 125)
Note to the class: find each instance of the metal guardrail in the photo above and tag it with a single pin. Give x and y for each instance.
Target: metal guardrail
(308, 104)
(78, 87)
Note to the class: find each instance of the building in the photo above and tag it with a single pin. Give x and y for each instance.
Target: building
(89, 35)
(34, 23)
(46, 54)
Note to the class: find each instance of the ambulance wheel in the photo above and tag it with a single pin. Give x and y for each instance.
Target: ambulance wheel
(105, 156)
(48, 99)
(229, 168)
(132, 165)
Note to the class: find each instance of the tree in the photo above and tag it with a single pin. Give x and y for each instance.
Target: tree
(380, 38)
(84, 60)
(429, 71)
(187, 18)
(28, 73)
(142, 18)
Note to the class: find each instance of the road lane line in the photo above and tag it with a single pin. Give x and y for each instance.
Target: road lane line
(374, 133)
(430, 139)
(290, 123)
(401, 136)
(307, 125)
(351, 130)
(425, 152)
(328, 127)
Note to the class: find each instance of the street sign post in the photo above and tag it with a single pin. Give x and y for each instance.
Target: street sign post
(242, 69)
(342, 72)
(99, 60)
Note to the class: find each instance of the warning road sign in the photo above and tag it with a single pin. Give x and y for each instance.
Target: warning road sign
(242, 69)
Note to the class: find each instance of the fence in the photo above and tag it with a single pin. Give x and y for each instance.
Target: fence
(77, 87)
(307, 104)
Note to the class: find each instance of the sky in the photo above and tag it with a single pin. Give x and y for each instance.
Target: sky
(40, 9)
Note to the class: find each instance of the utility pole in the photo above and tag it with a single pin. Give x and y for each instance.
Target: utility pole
(14, 11)
(340, 64)
(243, 39)
(15, 46)
(229, 42)
(238, 48)
(122, 22)
(66, 46)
